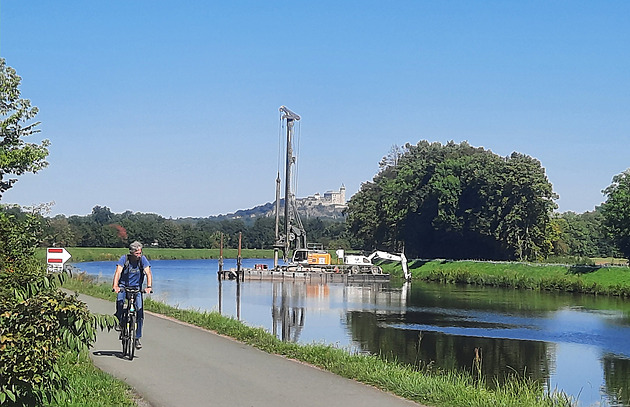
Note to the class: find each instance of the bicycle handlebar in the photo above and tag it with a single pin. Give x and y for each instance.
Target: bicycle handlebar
(131, 290)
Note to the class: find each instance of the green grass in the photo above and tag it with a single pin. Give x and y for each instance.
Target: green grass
(424, 385)
(532, 276)
(89, 386)
(83, 254)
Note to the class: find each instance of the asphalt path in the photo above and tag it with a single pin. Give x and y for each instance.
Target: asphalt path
(183, 365)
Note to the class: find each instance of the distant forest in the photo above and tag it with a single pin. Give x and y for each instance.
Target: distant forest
(102, 228)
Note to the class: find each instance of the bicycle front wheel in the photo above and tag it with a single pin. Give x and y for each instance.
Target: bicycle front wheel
(124, 336)
(132, 335)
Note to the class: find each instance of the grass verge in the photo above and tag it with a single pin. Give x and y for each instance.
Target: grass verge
(426, 385)
(89, 386)
(533, 276)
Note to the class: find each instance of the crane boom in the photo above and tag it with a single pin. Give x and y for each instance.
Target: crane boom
(288, 114)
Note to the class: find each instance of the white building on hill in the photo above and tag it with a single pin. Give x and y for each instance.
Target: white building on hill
(329, 198)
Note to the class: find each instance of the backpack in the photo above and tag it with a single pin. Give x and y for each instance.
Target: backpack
(126, 266)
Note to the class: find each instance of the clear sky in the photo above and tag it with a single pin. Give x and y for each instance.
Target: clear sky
(172, 107)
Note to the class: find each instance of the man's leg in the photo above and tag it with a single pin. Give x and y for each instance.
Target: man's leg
(140, 315)
(120, 301)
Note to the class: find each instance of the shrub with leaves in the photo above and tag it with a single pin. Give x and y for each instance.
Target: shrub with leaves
(37, 320)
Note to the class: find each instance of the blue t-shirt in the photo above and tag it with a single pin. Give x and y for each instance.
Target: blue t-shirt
(132, 275)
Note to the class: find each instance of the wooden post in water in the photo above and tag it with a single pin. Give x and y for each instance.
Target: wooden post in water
(238, 300)
(220, 293)
(221, 259)
(238, 259)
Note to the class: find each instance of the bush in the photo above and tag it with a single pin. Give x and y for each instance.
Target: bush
(37, 320)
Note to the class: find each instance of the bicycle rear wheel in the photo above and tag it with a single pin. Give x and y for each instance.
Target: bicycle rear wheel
(132, 336)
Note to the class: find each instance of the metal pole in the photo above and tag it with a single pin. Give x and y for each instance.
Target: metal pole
(287, 188)
(275, 249)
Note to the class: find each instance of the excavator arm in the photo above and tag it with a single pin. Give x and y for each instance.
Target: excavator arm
(393, 257)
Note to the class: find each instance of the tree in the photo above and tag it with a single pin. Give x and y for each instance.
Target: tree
(616, 211)
(581, 235)
(59, 232)
(16, 156)
(102, 215)
(455, 201)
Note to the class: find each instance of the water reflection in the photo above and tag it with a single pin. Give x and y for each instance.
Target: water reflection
(574, 343)
(420, 347)
(617, 379)
(287, 314)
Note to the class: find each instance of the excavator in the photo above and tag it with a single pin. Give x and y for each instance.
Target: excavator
(362, 261)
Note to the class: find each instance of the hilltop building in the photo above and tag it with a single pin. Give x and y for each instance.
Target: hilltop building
(337, 198)
(329, 205)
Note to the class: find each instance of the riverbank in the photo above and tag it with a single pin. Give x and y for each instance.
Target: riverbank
(598, 280)
(532, 276)
(425, 385)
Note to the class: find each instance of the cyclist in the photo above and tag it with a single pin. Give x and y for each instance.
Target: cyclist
(130, 271)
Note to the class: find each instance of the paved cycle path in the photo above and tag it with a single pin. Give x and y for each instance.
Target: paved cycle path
(183, 365)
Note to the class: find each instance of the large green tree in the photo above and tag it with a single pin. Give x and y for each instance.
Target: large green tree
(455, 201)
(16, 155)
(616, 211)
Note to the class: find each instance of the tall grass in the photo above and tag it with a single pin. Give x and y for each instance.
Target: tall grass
(569, 278)
(424, 385)
(89, 386)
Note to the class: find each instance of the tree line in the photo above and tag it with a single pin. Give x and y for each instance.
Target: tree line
(577, 235)
(456, 201)
(102, 228)
(430, 200)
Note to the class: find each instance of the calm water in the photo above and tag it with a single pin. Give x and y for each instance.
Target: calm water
(574, 343)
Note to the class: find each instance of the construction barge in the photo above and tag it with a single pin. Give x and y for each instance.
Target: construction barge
(311, 276)
(343, 273)
(309, 262)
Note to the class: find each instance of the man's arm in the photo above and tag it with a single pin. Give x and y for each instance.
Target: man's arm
(147, 272)
(117, 278)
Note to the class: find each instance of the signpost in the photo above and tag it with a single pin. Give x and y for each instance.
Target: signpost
(56, 257)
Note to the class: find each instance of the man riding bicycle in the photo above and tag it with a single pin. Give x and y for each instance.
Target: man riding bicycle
(130, 271)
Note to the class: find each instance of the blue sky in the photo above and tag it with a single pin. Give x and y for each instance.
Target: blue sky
(172, 107)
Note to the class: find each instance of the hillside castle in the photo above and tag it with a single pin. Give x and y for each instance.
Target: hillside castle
(329, 205)
(329, 198)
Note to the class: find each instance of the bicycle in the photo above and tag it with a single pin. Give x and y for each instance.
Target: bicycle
(129, 321)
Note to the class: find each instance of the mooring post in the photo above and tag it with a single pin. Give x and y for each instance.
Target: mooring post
(238, 259)
(220, 294)
(221, 258)
(238, 301)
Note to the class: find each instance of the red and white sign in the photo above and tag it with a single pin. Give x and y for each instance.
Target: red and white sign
(57, 255)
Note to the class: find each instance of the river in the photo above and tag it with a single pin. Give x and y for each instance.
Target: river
(574, 343)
